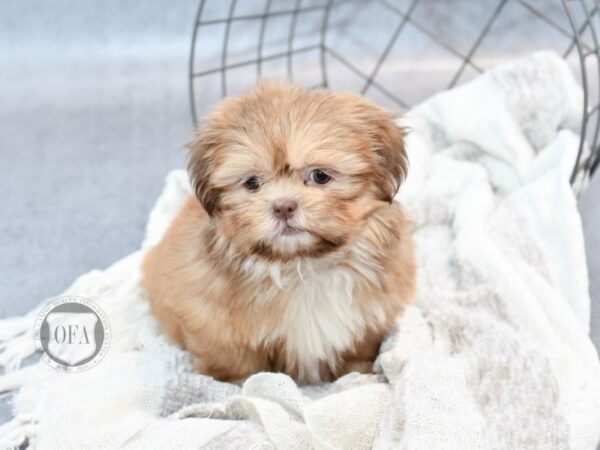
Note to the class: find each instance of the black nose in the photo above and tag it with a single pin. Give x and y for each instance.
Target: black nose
(284, 209)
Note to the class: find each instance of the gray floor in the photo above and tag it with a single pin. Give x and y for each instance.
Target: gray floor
(93, 113)
(589, 206)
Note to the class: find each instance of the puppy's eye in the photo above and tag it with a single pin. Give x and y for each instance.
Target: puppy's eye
(319, 177)
(252, 183)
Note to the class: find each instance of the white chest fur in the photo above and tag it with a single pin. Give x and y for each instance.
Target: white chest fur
(320, 316)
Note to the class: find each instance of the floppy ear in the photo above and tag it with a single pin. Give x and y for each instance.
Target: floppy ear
(387, 140)
(200, 166)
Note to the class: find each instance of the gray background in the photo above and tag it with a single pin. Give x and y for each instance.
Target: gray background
(94, 112)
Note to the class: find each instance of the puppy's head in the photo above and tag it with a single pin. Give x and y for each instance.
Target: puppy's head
(287, 172)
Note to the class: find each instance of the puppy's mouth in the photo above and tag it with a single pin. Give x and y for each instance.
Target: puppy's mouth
(290, 230)
(291, 240)
(285, 228)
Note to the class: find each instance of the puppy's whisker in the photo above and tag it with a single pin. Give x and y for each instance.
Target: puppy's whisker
(299, 269)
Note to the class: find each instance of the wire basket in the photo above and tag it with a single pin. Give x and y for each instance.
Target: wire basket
(436, 45)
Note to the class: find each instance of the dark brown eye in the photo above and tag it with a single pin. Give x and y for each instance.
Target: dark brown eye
(319, 177)
(252, 183)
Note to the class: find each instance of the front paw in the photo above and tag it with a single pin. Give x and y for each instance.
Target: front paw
(357, 366)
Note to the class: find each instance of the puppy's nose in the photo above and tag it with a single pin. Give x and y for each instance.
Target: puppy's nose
(284, 209)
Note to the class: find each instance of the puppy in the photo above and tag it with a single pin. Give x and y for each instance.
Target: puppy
(292, 256)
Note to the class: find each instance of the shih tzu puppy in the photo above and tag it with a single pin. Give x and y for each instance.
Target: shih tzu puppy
(292, 256)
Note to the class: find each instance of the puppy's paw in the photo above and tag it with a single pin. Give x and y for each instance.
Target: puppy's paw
(359, 366)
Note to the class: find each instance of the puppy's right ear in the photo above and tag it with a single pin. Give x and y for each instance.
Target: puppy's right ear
(200, 167)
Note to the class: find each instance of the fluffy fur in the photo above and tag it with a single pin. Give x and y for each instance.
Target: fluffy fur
(312, 294)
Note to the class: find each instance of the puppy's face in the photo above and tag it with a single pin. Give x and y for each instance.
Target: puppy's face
(290, 173)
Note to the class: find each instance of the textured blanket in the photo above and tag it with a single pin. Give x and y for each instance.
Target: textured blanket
(494, 354)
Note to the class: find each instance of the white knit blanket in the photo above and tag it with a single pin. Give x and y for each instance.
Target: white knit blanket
(495, 353)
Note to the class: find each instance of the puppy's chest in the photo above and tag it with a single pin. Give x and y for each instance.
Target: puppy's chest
(319, 316)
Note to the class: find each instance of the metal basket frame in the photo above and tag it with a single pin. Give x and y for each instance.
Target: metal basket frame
(582, 35)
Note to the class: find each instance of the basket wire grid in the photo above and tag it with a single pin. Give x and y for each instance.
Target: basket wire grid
(432, 44)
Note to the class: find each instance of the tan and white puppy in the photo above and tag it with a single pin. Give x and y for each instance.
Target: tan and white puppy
(293, 255)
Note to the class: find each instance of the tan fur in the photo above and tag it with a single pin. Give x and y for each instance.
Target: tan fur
(229, 287)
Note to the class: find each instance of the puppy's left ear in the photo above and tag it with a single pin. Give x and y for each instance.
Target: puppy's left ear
(387, 140)
(389, 137)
